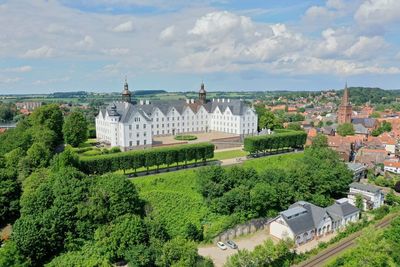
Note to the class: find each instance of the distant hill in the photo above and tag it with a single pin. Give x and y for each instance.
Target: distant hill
(361, 95)
(148, 92)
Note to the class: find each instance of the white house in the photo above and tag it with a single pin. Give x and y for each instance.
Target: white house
(391, 166)
(373, 196)
(132, 125)
(304, 221)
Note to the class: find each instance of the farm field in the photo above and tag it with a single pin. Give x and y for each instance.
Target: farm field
(173, 198)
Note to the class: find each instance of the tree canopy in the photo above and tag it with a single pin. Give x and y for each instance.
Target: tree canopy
(75, 129)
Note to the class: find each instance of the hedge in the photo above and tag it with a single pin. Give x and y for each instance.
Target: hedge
(185, 137)
(146, 158)
(276, 141)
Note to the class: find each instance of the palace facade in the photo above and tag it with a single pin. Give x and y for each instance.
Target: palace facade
(130, 125)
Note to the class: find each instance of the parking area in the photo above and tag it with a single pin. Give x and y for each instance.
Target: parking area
(249, 242)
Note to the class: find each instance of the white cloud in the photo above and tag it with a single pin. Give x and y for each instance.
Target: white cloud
(167, 34)
(118, 51)
(6, 80)
(124, 27)
(217, 24)
(19, 69)
(337, 4)
(54, 80)
(41, 52)
(366, 47)
(378, 12)
(86, 43)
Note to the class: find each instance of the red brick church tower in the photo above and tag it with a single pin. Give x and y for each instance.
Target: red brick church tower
(345, 108)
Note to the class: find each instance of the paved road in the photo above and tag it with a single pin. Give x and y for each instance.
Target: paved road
(345, 244)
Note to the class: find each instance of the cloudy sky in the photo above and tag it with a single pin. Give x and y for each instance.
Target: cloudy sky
(64, 45)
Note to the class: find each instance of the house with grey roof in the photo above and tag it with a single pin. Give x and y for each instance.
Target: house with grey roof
(359, 170)
(372, 196)
(130, 125)
(304, 221)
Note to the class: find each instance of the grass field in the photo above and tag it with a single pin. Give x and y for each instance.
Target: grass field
(230, 154)
(173, 198)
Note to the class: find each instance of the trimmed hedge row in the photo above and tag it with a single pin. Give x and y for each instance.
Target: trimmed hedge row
(276, 141)
(185, 137)
(146, 158)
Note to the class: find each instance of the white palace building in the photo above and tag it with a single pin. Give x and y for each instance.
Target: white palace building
(131, 125)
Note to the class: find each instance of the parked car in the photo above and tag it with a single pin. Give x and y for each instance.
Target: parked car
(231, 244)
(221, 245)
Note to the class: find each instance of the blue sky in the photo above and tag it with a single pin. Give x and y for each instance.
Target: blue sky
(63, 45)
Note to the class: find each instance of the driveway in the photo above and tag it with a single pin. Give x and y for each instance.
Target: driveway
(249, 242)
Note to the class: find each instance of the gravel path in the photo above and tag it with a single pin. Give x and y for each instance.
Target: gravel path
(249, 242)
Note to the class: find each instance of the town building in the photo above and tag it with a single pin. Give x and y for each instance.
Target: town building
(29, 105)
(304, 221)
(359, 170)
(130, 125)
(345, 108)
(391, 166)
(373, 196)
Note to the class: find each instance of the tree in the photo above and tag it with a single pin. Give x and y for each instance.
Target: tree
(178, 252)
(359, 202)
(38, 155)
(269, 121)
(345, 129)
(10, 256)
(193, 233)
(75, 129)
(319, 141)
(375, 115)
(10, 191)
(295, 126)
(49, 116)
(124, 236)
(320, 124)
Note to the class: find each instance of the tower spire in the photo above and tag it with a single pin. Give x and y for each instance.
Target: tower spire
(126, 94)
(345, 99)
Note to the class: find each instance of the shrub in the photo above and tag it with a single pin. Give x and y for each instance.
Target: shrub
(115, 149)
(280, 139)
(92, 152)
(146, 158)
(185, 137)
(397, 187)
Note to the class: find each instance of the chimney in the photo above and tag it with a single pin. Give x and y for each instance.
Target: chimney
(228, 100)
(187, 101)
(141, 102)
(147, 102)
(213, 100)
(223, 100)
(218, 100)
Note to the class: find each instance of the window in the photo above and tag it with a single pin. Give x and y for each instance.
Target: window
(137, 135)
(144, 126)
(130, 127)
(144, 134)
(130, 143)
(137, 126)
(137, 142)
(144, 142)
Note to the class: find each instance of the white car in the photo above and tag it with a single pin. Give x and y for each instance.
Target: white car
(221, 245)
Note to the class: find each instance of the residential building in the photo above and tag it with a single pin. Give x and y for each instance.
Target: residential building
(371, 157)
(304, 221)
(29, 105)
(359, 170)
(392, 166)
(373, 196)
(129, 125)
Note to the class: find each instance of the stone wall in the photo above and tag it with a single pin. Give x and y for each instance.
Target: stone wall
(244, 229)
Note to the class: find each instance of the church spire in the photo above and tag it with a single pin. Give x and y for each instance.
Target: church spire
(126, 94)
(345, 99)
(202, 94)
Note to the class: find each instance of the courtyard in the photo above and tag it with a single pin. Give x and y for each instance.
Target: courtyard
(201, 137)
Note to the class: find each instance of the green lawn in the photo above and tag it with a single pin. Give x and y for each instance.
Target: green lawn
(173, 198)
(230, 154)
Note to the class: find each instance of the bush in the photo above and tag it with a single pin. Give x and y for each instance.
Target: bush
(92, 152)
(82, 150)
(92, 132)
(382, 181)
(115, 149)
(185, 137)
(146, 158)
(280, 139)
(397, 187)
